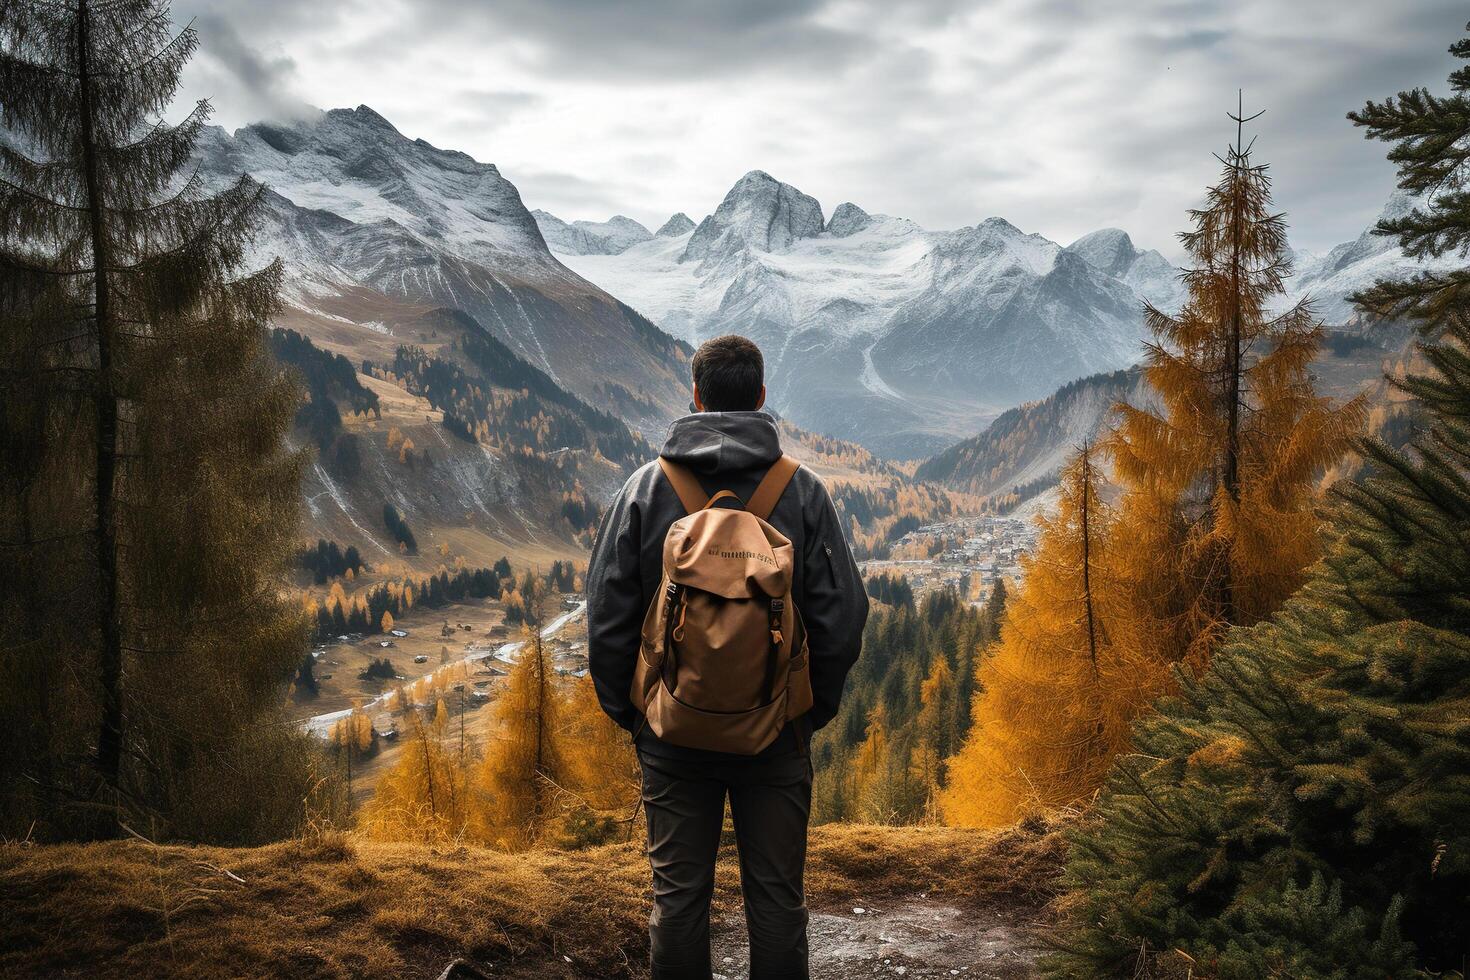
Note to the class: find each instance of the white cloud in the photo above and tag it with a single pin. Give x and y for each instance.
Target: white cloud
(1061, 116)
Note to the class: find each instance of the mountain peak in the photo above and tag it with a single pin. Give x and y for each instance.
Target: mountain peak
(678, 224)
(997, 223)
(1109, 250)
(365, 115)
(848, 219)
(590, 237)
(760, 212)
(754, 178)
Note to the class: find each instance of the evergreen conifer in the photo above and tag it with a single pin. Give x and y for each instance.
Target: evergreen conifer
(148, 504)
(1303, 808)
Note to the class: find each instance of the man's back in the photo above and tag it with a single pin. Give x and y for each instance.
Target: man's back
(726, 451)
(685, 789)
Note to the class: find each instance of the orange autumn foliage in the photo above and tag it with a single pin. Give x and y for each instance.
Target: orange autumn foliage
(1055, 700)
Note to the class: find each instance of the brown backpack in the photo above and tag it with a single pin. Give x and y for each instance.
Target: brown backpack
(723, 663)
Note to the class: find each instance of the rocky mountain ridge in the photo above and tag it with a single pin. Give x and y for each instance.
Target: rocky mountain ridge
(879, 330)
(357, 207)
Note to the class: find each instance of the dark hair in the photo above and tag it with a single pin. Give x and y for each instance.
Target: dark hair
(729, 372)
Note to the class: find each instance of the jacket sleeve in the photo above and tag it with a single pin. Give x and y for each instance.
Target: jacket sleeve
(615, 609)
(834, 606)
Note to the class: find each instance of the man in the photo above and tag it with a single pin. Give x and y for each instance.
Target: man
(729, 445)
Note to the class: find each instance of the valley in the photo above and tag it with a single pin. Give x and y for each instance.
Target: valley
(480, 378)
(459, 655)
(1123, 630)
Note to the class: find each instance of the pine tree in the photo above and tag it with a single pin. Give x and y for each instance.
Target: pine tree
(1301, 809)
(936, 733)
(1057, 696)
(1220, 485)
(995, 610)
(153, 507)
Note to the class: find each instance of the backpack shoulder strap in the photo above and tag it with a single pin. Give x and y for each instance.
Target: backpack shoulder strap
(691, 494)
(772, 485)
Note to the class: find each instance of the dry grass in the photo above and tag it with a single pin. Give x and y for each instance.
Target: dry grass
(340, 906)
(1015, 868)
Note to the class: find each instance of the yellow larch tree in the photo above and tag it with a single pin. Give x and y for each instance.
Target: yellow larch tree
(424, 796)
(599, 762)
(599, 781)
(351, 736)
(884, 789)
(1055, 700)
(1221, 482)
(518, 778)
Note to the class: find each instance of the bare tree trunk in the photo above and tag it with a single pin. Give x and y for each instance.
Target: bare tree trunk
(1234, 366)
(428, 767)
(110, 736)
(1086, 518)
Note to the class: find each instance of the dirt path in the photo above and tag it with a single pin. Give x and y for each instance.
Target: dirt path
(914, 937)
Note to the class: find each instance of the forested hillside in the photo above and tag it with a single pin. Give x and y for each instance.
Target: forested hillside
(1021, 453)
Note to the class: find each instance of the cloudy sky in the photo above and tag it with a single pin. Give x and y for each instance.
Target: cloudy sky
(1060, 116)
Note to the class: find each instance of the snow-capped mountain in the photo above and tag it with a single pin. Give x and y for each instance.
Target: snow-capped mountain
(678, 224)
(879, 330)
(1329, 280)
(356, 208)
(1149, 274)
(590, 237)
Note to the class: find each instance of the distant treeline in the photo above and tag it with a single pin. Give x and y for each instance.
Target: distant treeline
(330, 381)
(398, 527)
(877, 517)
(330, 560)
(891, 590)
(362, 613)
(508, 403)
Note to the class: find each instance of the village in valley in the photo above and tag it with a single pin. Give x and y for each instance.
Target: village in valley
(458, 654)
(967, 553)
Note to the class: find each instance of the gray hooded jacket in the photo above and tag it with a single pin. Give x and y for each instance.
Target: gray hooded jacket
(727, 451)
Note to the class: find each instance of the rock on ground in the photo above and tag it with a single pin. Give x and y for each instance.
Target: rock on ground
(914, 937)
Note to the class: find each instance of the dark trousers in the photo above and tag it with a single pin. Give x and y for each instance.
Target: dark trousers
(770, 801)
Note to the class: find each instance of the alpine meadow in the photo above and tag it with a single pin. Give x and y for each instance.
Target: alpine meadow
(614, 562)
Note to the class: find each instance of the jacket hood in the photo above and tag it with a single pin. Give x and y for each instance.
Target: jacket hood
(723, 442)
